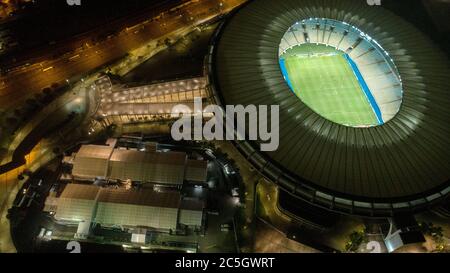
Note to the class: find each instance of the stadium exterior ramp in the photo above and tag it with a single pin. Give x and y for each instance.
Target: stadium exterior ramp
(120, 104)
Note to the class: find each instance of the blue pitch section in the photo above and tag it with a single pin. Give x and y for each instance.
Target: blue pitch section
(366, 90)
(285, 74)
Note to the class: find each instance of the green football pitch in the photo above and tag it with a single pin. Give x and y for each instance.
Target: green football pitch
(327, 84)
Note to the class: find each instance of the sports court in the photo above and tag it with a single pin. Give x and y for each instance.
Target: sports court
(328, 81)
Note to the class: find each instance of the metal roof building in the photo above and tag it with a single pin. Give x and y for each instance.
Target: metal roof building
(159, 168)
(77, 203)
(191, 213)
(402, 165)
(164, 168)
(160, 211)
(92, 161)
(144, 208)
(196, 170)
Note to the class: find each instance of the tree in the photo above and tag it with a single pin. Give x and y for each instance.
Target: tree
(32, 103)
(18, 113)
(47, 91)
(12, 120)
(436, 233)
(167, 42)
(355, 240)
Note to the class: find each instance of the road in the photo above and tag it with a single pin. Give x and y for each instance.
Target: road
(16, 86)
(100, 17)
(9, 187)
(9, 180)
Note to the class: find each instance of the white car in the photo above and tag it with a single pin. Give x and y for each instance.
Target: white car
(41, 233)
(225, 227)
(229, 170)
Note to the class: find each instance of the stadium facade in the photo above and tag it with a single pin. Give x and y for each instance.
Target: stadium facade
(401, 164)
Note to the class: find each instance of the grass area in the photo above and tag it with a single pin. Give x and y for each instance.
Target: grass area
(324, 80)
(310, 48)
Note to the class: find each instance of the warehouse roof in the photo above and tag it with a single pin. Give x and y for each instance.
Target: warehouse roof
(140, 197)
(189, 204)
(95, 151)
(133, 156)
(196, 170)
(78, 191)
(92, 161)
(156, 167)
(143, 207)
(197, 164)
(161, 168)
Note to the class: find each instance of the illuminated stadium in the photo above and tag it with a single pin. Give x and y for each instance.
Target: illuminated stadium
(313, 61)
(363, 95)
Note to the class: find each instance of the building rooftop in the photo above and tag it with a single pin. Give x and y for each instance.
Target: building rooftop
(131, 208)
(190, 204)
(132, 156)
(95, 151)
(196, 170)
(168, 168)
(140, 197)
(77, 191)
(191, 163)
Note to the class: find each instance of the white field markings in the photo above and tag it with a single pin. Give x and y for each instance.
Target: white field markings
(343, 95)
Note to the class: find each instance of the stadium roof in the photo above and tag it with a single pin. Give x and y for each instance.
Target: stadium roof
(403, 164)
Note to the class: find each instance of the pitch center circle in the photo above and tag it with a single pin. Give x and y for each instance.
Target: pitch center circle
(341, 73)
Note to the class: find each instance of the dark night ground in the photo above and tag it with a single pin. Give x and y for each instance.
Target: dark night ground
(183, 60)
(54, 20)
